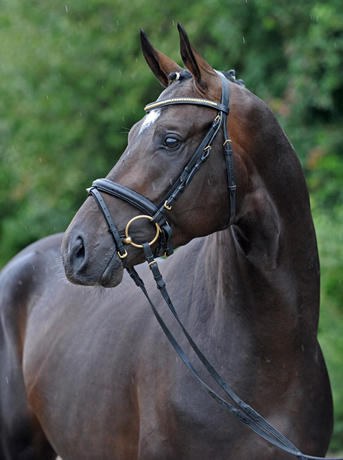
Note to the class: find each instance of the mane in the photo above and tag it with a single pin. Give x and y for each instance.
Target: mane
(186, 75)
(231, 76)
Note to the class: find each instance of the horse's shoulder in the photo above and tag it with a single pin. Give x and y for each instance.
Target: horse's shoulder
(24, 275)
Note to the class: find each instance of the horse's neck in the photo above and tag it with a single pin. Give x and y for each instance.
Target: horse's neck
(265, 269)
(272, 248)
(262, 273)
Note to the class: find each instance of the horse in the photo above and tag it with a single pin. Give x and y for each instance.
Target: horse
(86, 370)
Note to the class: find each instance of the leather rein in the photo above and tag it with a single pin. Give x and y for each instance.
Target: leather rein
(157, 214)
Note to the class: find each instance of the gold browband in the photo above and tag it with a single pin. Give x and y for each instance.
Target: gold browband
(181, 100)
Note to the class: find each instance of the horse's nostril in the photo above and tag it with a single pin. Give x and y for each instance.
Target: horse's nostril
(79, 253)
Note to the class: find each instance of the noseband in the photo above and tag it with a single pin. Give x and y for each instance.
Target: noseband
(157, 214)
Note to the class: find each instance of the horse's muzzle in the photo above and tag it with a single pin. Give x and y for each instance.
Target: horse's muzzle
(90, 266)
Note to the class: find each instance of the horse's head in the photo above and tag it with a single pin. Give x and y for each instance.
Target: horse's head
(174, 170)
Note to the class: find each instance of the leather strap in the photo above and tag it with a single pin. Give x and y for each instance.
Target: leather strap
(112, 228)
(140, 202)
(228, 152)
(126, 194)
(199, 157)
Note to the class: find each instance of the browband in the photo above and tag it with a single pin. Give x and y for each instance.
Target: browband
(188, 100)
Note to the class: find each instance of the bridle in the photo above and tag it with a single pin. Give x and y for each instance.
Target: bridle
(157, 214)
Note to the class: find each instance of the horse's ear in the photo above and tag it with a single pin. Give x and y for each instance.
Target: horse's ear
(195, 63)
(160, 64)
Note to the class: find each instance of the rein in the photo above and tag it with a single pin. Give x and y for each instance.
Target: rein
(157, 214)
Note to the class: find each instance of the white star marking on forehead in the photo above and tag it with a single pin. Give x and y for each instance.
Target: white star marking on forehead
(150, 119)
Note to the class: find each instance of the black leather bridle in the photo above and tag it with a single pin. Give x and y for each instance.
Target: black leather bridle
(157, 214)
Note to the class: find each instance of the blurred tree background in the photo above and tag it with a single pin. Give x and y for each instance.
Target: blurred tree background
(73, 81)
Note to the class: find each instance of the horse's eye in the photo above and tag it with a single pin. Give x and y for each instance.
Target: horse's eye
(171, 142)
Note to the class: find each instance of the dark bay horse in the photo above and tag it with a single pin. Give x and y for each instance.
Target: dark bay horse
(87, 373)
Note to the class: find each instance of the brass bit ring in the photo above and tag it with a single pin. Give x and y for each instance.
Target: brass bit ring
(128, 239)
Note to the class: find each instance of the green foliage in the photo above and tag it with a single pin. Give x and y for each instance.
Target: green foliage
(73, 81)
(329, 225)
